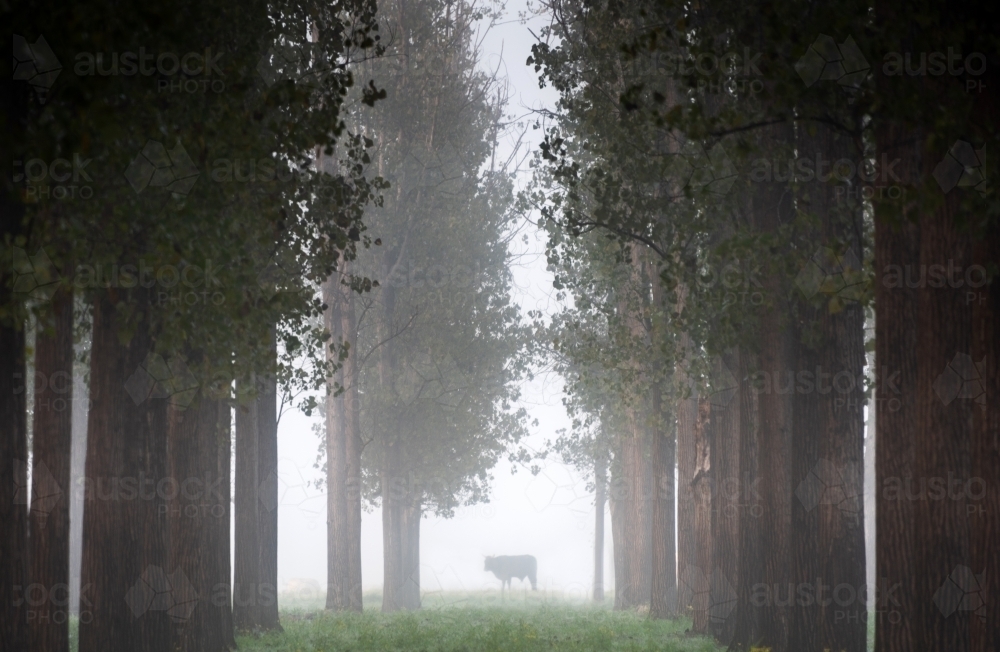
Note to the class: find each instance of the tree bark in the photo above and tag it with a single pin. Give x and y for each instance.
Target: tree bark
(629, 505)
(352, 451)
(193, 517)
(726, 503)
(337, 527)
(14, 481)
(267, 503)
(828, 446)
(687, 544)
(222, 592)
(50, 481)
(986, 447)
(701, 486)
(600, 487)
(247, 589)
(124, 545)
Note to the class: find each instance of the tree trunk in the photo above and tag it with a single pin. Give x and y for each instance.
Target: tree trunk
(727, 508)
(14, 480)
(124, 546)
(663, 544)
(410, 555)
(352, 452)
(600, 483)
(50, 477)
(267, 503)
(193, 517)
(78, 599)
(630, 499)
(687, 545)
(337, 527)
(828, 447)
(663, 557)
(747, 492)
(222, 593)
(985, 510)
(767, 573)
(247, 581)
(701, 486)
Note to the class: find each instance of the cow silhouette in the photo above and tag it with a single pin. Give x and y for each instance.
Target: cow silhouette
(505, 567)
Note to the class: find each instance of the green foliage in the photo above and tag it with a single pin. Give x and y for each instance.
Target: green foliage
(234, 189)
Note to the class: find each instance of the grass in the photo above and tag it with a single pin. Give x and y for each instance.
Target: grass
(453, 622)
(467, 622)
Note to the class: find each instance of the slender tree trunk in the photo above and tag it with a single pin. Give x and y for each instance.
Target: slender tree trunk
(618, 529)
(193, 446)
(247, 581)
(687, 544)
(600, 486)
(14, 480)
(632, 550)
(726, 504)
(124, 545)
(337, 527)
(410, 555)
(352, 453)
(701, 487)
(267, 503)
(78, 598)
(222, 593)
(50, 478)
(747, 493)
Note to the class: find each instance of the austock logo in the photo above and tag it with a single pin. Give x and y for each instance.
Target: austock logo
(962, 378)
(962, 590)
(837, 275)
(36, 64)
(48, 605)
(962, 167)
(34, 276)
(157, 378)
(825, 60)
(161, 168)
(155, 590)
(830, 483)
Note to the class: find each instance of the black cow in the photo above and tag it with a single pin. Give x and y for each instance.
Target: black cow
(519, 566)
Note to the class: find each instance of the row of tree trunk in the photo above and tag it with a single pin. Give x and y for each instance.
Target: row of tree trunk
(155, 569)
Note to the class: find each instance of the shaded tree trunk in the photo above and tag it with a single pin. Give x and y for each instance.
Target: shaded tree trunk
(726, 503)
(14, 480)
(629, 506)
(663, 553)
(247, 589)
(50, 478)
(193, 517)
(747, 492)
(828, 446)
(352, 452)
(687, 544)
(985, 511)
(600, 487)
(337, 527)
(267, 503)
(222, 592)
(124, 545)
(701, 486)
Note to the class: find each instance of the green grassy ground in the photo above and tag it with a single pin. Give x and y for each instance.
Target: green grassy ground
(470, 622)
(466, 622)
